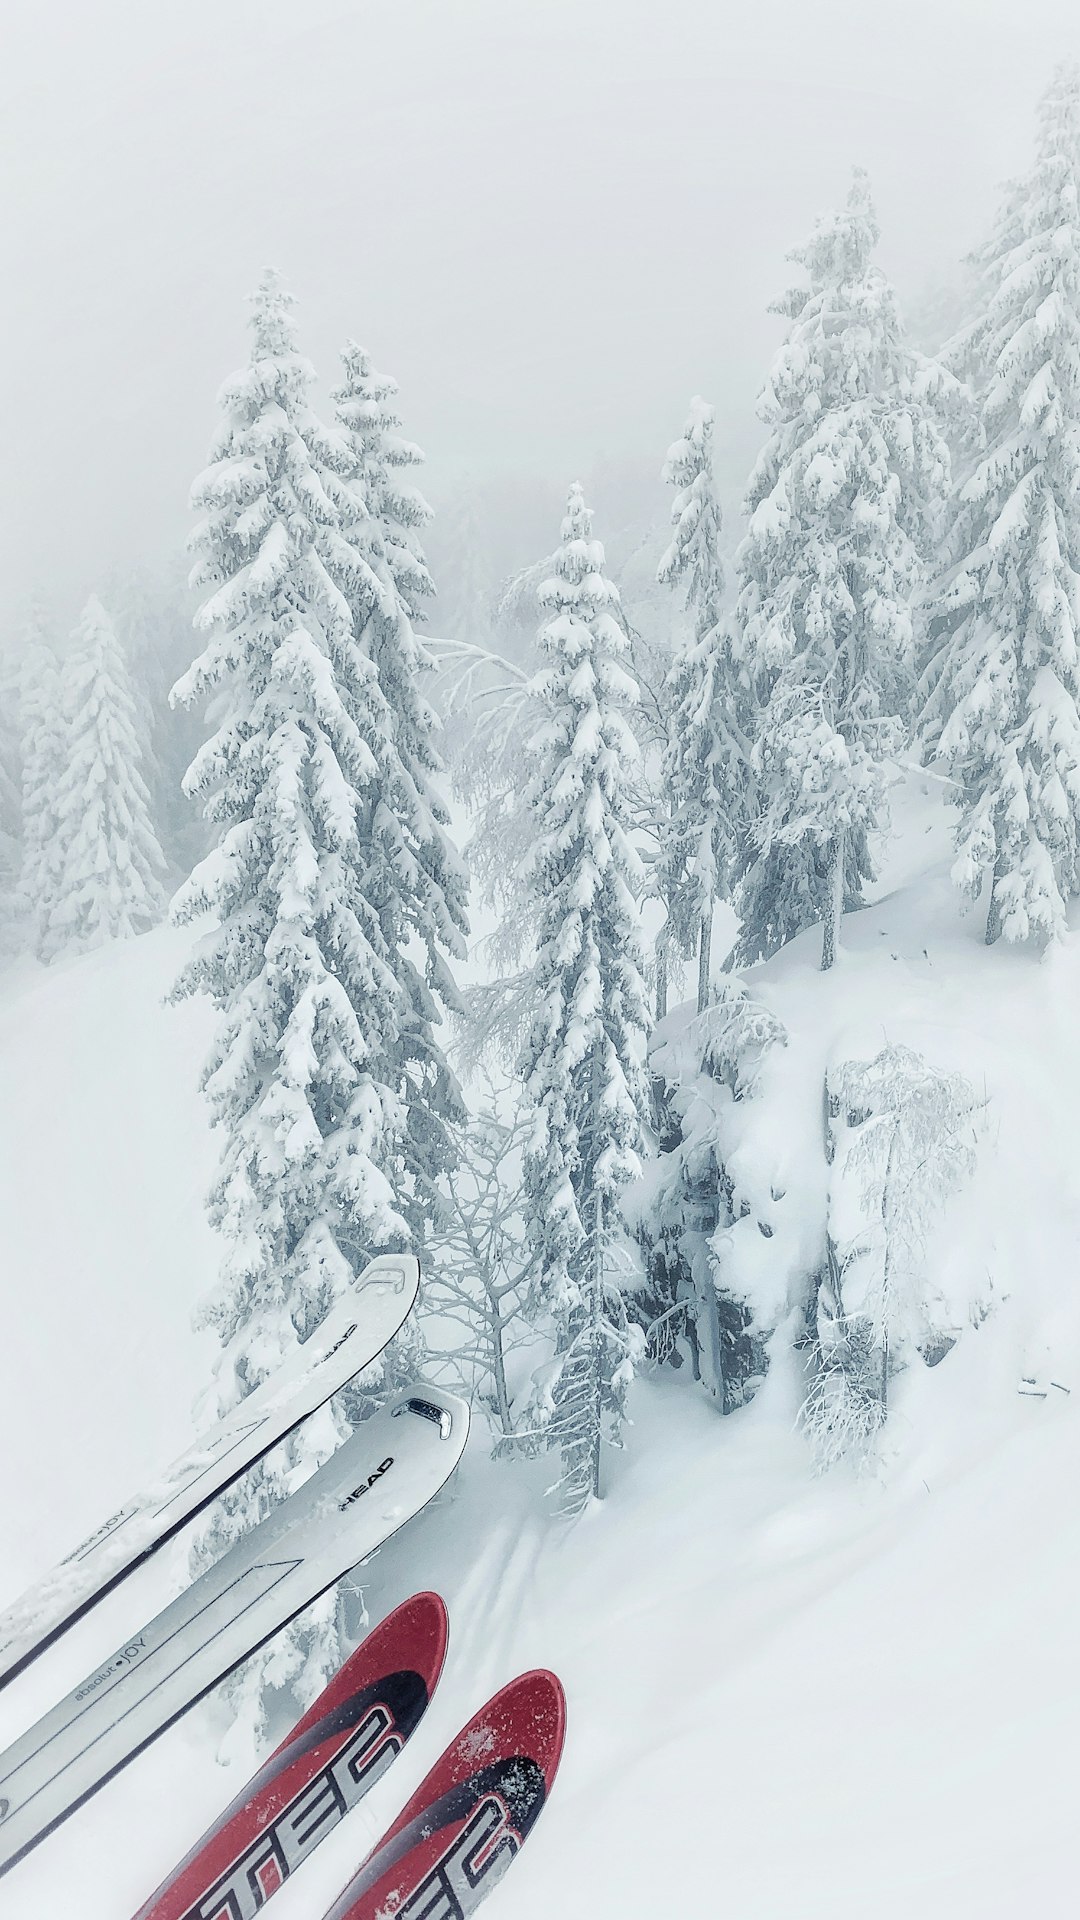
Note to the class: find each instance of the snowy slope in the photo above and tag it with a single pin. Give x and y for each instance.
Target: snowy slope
(787, 1695)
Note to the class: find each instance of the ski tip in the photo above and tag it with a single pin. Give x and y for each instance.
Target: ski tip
(472, 1814)
(401, 1270)
(325, 1764)
(446, 1411)
(531, 1711)
(420, 1629)
(412, 1639)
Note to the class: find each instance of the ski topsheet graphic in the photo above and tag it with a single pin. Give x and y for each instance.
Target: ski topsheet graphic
(343, 1744)
(353, 1333)
(472, 1815)
(383, 1474)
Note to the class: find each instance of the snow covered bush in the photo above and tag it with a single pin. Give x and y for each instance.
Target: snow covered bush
(843, 509)
(1002, 690)
(695, 1212)
(901, 1140)
(582, 1070)
(107, 881)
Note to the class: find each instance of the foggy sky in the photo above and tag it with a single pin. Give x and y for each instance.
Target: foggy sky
(553, 221)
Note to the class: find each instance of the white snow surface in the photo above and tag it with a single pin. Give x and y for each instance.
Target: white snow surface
(787, 1695)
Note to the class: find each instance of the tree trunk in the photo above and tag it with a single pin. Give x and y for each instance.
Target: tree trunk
(993, 911)
(498, 1367)
(887, 1263)
(834, 899)
(704, 973)
(597, 1350)
(707, 1326)
(662, 950)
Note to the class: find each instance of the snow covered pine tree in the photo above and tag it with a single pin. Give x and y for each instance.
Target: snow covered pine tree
(707, 772)
(110, 867)
(410, 873)
(1003, 707)
(42, 752)
(582, 1067)
(364, 407)
(842, 507)
(305, 779)
(11, 834)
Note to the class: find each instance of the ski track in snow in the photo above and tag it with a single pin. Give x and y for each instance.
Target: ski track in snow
(786, 1694)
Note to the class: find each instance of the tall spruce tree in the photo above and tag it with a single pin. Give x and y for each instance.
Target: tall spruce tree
(110, 868)
(42, 740)
(305, 1075)
(582, 1067)
(706, 771)
(1003, 709)
(842, 507)
(410, 872)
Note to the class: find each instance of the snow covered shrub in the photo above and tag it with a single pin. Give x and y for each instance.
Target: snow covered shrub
(708, 1067)
(900, 1140)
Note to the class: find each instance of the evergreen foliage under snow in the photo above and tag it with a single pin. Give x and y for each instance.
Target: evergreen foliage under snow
(705, 778)
(42, 745)
(315, 799)
(710, 1243)
(842, 507)
(407, 868)
(1003, 709)
(109, 867)
(582, 1067)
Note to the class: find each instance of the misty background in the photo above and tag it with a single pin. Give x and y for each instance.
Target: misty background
(551, 223)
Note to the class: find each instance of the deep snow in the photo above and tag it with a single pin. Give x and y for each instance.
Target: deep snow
(787, 1695)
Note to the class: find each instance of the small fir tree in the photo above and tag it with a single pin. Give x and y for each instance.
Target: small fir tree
(109, 866)
(582, 1066)
(12, 904)
(705, 777)
(42, 739)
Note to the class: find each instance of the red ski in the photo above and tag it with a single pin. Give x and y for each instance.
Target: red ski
(471, 1816)
(343, 1744)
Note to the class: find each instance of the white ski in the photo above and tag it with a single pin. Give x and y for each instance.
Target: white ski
(383, 1474)
(353, 1333)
